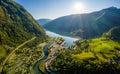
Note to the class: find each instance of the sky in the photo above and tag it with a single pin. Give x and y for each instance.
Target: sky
(52, 9)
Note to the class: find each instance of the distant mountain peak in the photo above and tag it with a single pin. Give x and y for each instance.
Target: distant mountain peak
(43, 21)
(111, 8)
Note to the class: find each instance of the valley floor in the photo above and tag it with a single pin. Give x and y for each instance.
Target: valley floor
(11, 54)
(23, 57)
(50, 52)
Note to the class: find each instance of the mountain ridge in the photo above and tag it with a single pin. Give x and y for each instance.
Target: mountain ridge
(88, 25)
(43, 21)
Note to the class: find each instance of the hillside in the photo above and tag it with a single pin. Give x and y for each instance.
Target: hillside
(113, 34)
(16, 27)
(16, 24)
(43, 21)
(88, 25)
(92, 56)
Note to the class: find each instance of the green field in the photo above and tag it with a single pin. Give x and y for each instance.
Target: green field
(89, 56)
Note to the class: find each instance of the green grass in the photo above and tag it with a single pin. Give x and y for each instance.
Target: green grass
(83, 56)
(42, 66)
(2, 51)
(101, 58)
(102, 45)
(100, 48)
(58, 38)
(92, 55)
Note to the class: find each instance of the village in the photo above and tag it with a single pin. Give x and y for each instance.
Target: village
(54, 51)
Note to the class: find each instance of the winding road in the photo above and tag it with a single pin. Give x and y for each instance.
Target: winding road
(14, 51)
(36, 66)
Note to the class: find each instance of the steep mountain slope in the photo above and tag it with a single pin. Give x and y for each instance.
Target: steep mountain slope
(16, 24)
(16, 27)
(86, 25)
(43, 21)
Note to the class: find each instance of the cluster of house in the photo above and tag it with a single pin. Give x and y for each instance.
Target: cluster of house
(57, 46)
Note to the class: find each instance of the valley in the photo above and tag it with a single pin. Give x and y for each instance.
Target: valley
(23, 58)
(84, 43)
(50, 51)
(14, 52)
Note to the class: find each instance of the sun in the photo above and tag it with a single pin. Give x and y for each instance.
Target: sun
(78, 6)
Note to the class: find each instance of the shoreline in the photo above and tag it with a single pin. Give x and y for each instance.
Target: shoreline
(63, 34)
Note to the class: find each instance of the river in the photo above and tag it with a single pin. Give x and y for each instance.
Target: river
(36, 66)
(69, 40)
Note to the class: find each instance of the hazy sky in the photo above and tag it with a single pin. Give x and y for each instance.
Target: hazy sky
(56, 8)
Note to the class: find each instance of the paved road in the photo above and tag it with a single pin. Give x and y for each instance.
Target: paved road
(14, 51)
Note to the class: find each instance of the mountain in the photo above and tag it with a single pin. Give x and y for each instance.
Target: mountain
(43, 21)
(16, 27)
(16, 24)
(87, 25)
